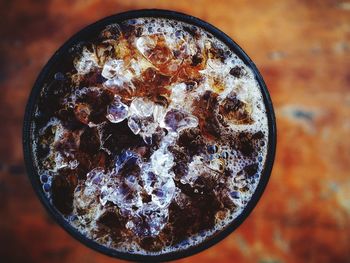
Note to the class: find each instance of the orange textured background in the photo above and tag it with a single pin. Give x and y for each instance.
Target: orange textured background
(302, 49)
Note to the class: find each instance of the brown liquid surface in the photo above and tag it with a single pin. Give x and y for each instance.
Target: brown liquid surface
(152, 137)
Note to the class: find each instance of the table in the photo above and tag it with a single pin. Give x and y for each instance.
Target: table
(302, 49)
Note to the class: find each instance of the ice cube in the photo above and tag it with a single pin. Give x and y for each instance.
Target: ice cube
(142, 107)
(135, 67)
(117, 111)
(164, 193)
(178, 93)
(150, 179)
(117, 82)
(73, 164)
(134, 124)
(188, 122)
(95, 176)
(148, 127)
(94, 185)
(195, 168)
(113, 68)
(158, 114)
(147, 139)
(162, 161)
(148, 130)
(105, 194)
(126, 157)
(154, 49)
(145, 43)
(177, 120)
(129, 225)
(131, 180)
(117, 75)
(126, 197)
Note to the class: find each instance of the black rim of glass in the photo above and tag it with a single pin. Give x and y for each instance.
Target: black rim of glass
(85, 34)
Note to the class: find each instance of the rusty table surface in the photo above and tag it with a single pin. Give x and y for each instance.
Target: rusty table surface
(302, 49)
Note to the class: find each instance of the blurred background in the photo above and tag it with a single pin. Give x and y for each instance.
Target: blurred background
(302, 49)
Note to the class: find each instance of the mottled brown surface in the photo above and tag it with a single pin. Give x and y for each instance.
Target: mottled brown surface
(302, 49)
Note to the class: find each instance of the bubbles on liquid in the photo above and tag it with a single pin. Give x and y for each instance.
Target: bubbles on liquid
(234, 195)
(216, 165)
(59, 76)
(44, 178)
(212, 149)
(86, 62)
(225, 155)
(47, 187)
(149, 222)
(240, 180)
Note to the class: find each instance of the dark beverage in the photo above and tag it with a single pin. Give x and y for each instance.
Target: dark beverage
(150, 137)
